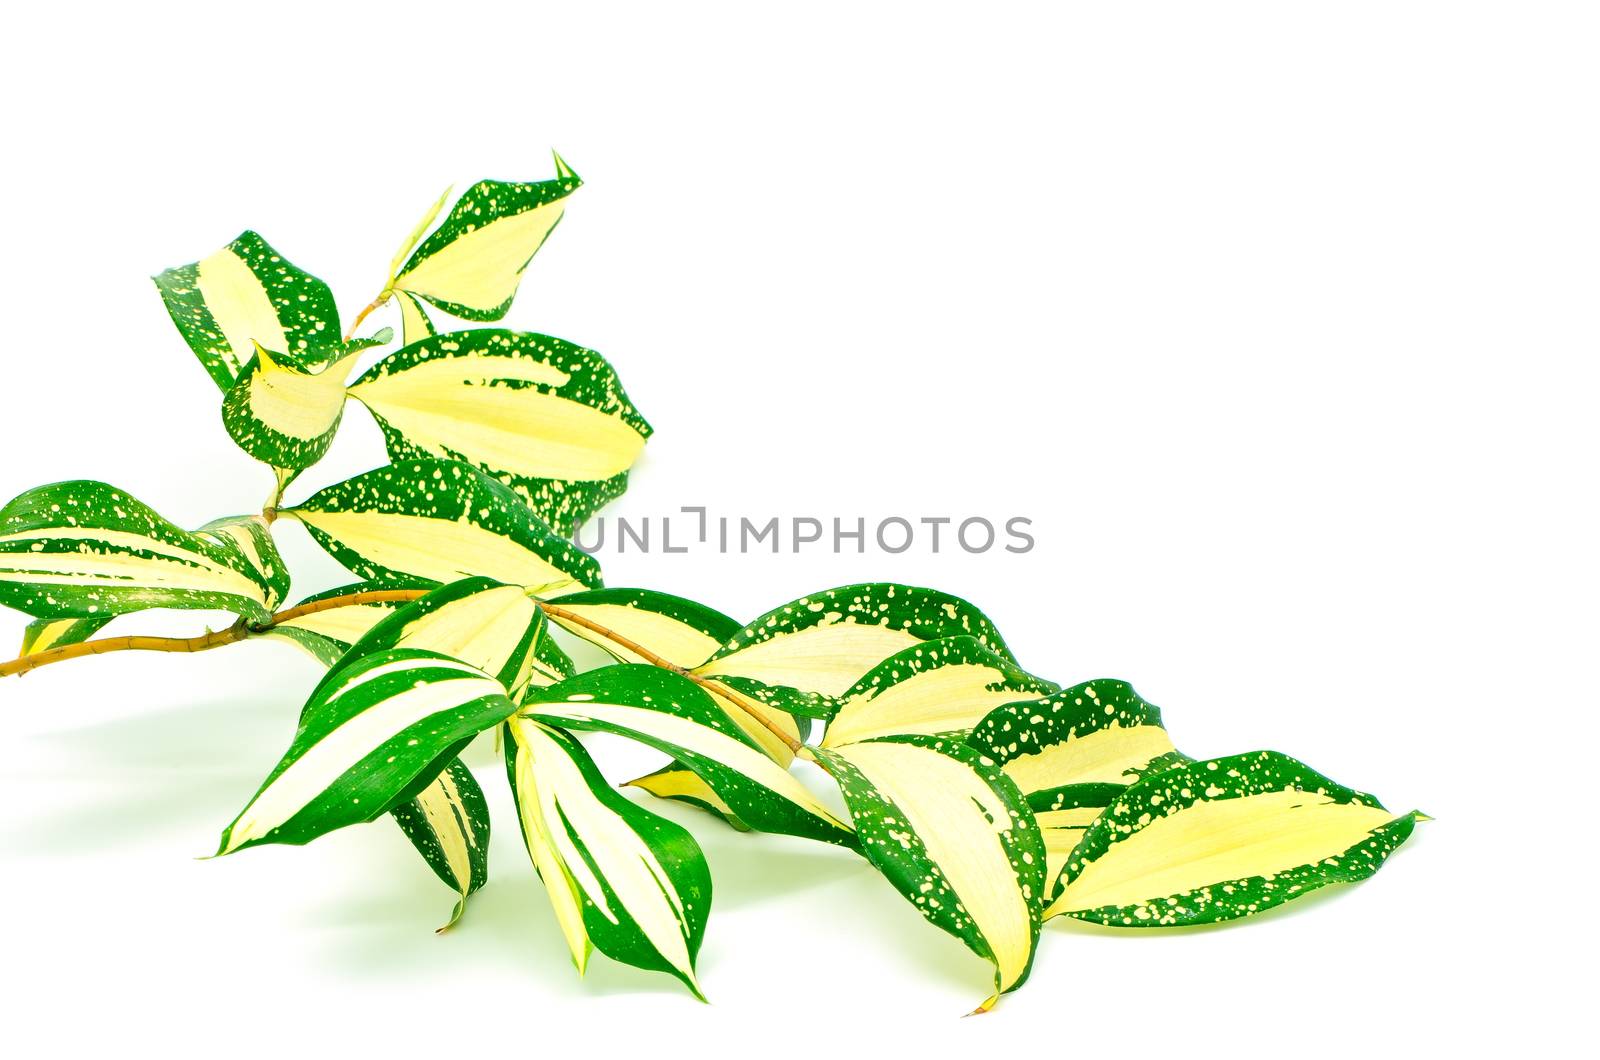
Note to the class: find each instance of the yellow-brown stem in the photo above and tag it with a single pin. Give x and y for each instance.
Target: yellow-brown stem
(376, 303)
(240, 630)
(234, 633)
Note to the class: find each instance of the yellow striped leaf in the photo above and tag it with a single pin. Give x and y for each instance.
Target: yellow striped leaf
(620, 879)
(1072, 752)
(682, 785)
(436, 521)
(673, 714)
(249, 537)
(953, 834)
(285, 412)
(88, 550)
(414, 323)
(448, 824)
(680, 631)
(327, 635)
(546, 418)
(46, 633)
(471, 265)
(243, 295)
(493, 627)
(940, 687)
(1221, 839)
(374, 734)
(827, 641)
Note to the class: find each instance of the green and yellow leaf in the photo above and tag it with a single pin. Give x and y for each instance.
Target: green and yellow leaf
(438, 521)
(243, 295)
(415, 236)
(414, 323)
(493, 627)
(248, 534)
(375, 734)
(939, 687)
(88, 550)
(471, 264)
(680, 631)
(46, 633)
(1220, 839)
(673, 781)
(546, 418)
(327, 635)
(620, 878)
(285, 412)
(953, 834)
(673, 714)
(827, 641)
(1073, 752)
(448, 823)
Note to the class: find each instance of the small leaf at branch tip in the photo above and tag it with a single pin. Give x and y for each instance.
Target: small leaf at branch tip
(461, 907)
(987, 1006)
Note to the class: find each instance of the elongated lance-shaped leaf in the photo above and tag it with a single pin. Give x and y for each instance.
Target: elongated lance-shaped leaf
(621, 879)
(546, 418)
(827, 641)
(87, 549)
(327, 635)
(490, 626)
(953, 834)
(673, 714)
(375, 734)
(680, 631)
(244, 294)
(1221, 839)
(937, 688)
(673, 781)
(471, 264)
(46, 633)
(448, 823)
(285, 412)
(438, 521)
(1071, 753)
(250, 536)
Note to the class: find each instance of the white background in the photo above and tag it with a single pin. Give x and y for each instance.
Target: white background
(1277, 319)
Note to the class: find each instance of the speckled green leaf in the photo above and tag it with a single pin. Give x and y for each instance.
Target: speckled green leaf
(285, 412)
(438, 521)
(673, 714)
(620, 879)
(935, 688)
(374, 734)
(547, 418)
(1072, 752)
(681, 631)
(953, 834)
(247, 293)
(249, 536)
(471, 264)
(1220, 839)
(448, 824)
(87, 550)
(827, 641)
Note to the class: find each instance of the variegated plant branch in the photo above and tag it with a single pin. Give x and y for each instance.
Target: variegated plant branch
(991, 798)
